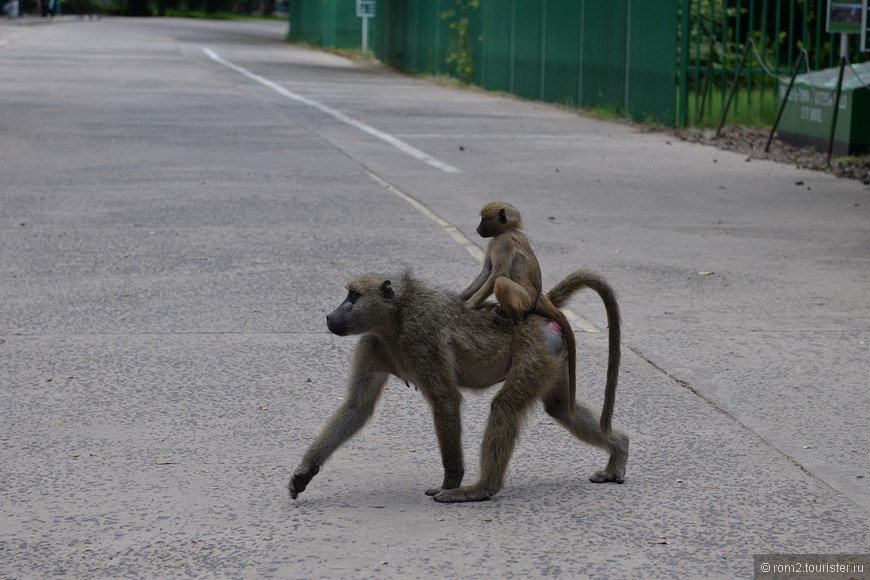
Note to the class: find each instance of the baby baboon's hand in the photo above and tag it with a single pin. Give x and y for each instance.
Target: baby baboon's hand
(301, 477)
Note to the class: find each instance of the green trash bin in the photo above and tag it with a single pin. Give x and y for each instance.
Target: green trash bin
(806, 120)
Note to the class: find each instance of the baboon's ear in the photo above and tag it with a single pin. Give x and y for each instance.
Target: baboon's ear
(387, 292)
(502, 216)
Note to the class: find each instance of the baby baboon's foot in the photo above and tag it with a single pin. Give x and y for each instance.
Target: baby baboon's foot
(605, 476)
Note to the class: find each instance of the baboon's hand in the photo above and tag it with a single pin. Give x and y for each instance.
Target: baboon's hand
(301, 477)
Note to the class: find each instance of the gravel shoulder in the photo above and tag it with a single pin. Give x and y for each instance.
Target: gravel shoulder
(751, 141)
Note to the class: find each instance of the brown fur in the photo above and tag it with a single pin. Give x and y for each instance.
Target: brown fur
(511, 271)
(428, 337)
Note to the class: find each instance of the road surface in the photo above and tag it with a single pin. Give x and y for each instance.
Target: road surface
(180, 204)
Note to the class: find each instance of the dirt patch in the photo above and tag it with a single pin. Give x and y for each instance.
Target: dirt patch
(750, 141)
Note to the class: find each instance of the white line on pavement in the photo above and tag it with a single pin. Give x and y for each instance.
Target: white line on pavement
(394, 141)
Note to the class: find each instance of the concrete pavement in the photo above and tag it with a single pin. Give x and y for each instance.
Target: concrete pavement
(172, 231)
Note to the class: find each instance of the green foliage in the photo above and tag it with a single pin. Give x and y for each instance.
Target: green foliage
(460, 55)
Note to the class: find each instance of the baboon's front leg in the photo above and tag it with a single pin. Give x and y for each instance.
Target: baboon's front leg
(365, 387)
(477, 283)
(448, 428)
(484, 292)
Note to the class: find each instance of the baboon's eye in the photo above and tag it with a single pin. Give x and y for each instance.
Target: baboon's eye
(353, 296)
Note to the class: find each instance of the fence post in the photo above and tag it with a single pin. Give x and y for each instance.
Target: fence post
(844, 54)
(734, 86)
(782, 105)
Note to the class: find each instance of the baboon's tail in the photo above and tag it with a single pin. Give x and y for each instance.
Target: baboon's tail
(559, 296)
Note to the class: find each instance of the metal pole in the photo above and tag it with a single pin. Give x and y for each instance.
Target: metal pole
(844, 54)
(708, 81)
(365, 33)
(794, 72)
(734, 86)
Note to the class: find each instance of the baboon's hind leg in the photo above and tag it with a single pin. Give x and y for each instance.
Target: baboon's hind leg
(503, 427)
(583, 424)
(514, 299)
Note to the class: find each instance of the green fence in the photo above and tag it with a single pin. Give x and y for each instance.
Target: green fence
(713, 36)
(327, 23)
(574, 52)
(665, 61)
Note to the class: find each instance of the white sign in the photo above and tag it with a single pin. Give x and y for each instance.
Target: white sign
(365, 8)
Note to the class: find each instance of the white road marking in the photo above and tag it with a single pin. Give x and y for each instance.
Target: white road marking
(578, 323)
(394, 141)
(451, 230)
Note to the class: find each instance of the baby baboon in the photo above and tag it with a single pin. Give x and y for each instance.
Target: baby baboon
(428, 337)
(511, 271)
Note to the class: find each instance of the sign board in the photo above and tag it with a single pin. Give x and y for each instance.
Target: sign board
(846, 16)
(365, 8)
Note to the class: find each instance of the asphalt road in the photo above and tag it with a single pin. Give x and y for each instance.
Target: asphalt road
(180, 204)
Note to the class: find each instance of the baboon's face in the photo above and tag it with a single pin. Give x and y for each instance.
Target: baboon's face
(488, 226)
(497, 217)
(366, 308)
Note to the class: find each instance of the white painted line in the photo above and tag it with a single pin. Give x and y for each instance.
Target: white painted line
(578, 323)
(394, 141)
(451, 230)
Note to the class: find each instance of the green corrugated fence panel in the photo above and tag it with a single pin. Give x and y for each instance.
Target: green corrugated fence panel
(413, 37)
(613, 54)
(651, 89)
(429, 34)
(604, 56)
(527, 44)
(495, 31)
(561, 76)
(330, 23)
(389, 30)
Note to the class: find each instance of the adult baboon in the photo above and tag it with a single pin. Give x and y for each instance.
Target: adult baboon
(428, 337)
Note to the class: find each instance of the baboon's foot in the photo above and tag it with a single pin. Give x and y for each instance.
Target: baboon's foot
(615, 470)
(301, 477)
(605, 476)
(452, 480)
(468, 493)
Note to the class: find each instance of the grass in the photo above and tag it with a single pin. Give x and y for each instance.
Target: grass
(756, 108)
